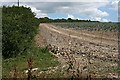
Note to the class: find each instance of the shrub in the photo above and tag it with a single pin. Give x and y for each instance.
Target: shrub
(19, 28)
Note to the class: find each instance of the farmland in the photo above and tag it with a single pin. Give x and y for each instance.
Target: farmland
(65, 49)
(96, 26)
(94, 52)
(89, 52)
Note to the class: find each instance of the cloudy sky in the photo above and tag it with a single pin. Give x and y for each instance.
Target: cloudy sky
(99, 10)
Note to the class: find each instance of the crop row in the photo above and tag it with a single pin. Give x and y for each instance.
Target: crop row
(89, 25)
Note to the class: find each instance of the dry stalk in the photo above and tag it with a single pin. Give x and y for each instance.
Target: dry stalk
(30, 61)
(78, 71)
(15, 73)
(71, 63)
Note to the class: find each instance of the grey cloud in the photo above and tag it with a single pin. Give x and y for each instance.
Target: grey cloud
(49, 7)
(64, 7)
(90, 9)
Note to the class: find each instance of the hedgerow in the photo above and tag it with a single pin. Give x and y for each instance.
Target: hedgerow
(19, 27)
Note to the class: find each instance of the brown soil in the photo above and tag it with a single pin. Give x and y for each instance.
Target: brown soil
(98, 37)
(40, 41)
(101, 45)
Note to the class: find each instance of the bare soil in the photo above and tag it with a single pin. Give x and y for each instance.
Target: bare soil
(40, 41)
(107, 37)
(101, 46)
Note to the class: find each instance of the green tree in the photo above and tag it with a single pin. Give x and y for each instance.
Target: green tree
(19, 28)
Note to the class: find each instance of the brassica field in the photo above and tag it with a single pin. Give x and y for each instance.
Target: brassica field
(96, 26)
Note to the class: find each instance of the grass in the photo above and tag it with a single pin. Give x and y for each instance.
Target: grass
(42, 59)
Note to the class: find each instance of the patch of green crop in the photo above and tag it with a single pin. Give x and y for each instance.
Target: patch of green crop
(107, 26)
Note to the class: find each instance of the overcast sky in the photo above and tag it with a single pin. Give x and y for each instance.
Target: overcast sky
(100, 10)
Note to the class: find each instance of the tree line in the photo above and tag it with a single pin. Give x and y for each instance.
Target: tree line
(48, 20)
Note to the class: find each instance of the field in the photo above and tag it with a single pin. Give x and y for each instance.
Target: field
(93, 52)
(91, 26)
(65, 50)
(58, 48)
(34, 48)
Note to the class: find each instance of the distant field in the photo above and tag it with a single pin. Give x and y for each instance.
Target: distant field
(89, 25)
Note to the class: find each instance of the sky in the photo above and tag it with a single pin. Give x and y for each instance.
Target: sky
(97, 10)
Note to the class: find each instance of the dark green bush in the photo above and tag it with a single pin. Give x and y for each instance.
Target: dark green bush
(18, 30)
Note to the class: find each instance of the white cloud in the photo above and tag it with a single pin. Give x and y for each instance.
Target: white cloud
(82, 8)
(99, 19)
(115, 4)
(105, 20)
(101, 13)
(39, 13)
(71, 16)
(89, 9)
(94, 12)
(55, 0)
(85, 9)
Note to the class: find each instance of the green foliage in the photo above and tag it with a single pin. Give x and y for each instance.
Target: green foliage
(107, 26)
(48, 20)
(41, 60)
(19, 28)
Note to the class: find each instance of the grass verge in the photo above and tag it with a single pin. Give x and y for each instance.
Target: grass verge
(42, 59)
